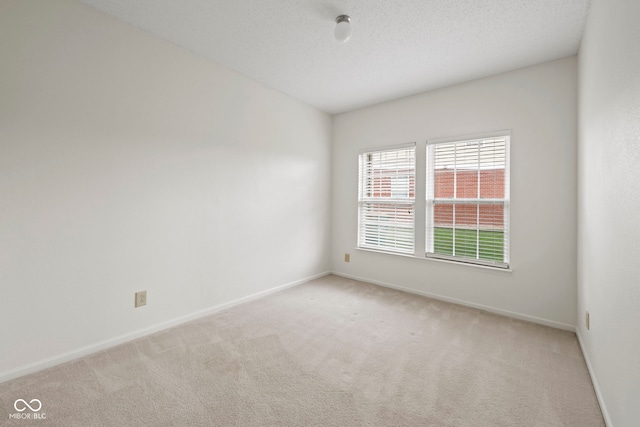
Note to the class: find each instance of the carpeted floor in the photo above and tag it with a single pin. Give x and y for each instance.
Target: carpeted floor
(331, 352)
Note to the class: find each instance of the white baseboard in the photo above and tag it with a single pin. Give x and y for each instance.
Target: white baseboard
(594, 381)
(507, 313)
(112, 342)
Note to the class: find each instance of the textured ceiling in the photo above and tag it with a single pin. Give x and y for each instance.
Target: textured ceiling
(398, 48)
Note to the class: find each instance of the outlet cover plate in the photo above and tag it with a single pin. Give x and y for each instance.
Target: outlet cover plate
(587, 321)
(141, 299)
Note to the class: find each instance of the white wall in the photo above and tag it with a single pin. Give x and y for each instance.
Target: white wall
(609, 205)
(538, 104)
(128, 163)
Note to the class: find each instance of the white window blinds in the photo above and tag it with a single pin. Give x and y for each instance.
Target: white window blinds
(467, 214)
(386, 200)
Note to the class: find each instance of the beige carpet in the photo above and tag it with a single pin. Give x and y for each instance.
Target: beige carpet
(331, 352)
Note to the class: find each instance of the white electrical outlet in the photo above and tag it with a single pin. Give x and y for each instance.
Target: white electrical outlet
(347, 257)
(141, 298)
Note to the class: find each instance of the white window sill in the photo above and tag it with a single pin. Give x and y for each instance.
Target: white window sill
(431, 259)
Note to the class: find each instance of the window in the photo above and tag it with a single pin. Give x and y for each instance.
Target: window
(386, 200)
(462, 204)
(468, 201)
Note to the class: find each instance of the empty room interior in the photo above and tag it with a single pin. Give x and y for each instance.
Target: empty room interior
(247, 212)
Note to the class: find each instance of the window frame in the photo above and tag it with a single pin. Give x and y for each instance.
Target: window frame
(432, 201)
(421, 209)
(365, 201)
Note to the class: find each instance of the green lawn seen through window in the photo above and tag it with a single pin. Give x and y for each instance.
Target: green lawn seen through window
(491, 246)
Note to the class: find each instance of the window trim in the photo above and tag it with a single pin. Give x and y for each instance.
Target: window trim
(437, 260)
(421, 208)
(393, 200)
(505, 202)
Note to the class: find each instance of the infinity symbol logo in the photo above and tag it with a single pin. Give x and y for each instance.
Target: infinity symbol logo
(26, 405)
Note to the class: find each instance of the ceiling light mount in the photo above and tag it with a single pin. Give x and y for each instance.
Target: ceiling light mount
(343, 28)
